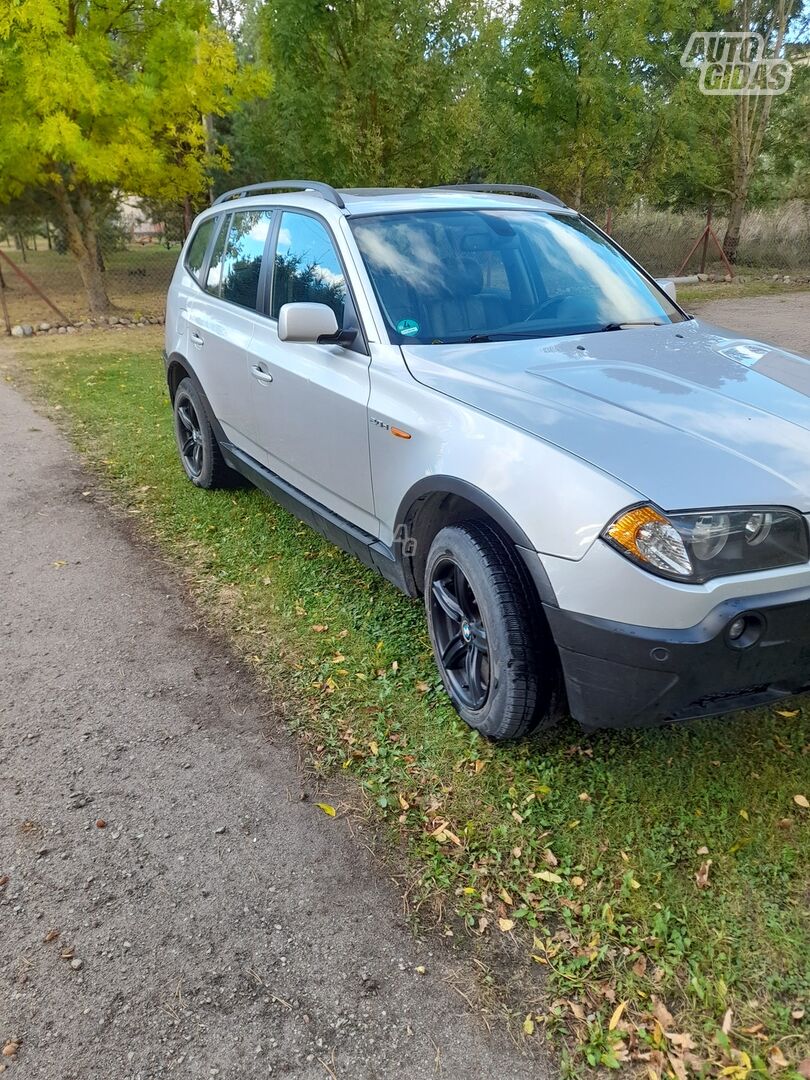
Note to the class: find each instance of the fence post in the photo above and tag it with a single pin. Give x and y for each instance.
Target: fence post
(704, 253)
(6, 318)
(609, 222)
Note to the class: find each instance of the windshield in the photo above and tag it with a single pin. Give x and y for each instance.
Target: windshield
(480, 275)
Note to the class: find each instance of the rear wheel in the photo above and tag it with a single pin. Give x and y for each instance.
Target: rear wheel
(495, 655)
(199, 452)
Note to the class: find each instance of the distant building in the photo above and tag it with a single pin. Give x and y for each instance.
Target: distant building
(141, 228)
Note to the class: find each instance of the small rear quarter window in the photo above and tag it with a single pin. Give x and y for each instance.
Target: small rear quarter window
(195, 257)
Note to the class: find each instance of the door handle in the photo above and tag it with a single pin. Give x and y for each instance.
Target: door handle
(260, 375)
(197, 339)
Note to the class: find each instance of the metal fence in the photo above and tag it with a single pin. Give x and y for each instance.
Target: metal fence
(40, 285)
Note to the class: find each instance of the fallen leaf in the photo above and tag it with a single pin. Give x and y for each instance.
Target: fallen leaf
(546, 875)
(578, 882)
(801, 800)
(480, 766)
(528, 1025)
(11, 1048)
(617, 1015)
(420, 969)
(584, 796)
(803, 1068)
(788, 713)
(678, 1066)
(3, 880)
(785, 822)
(549, 857)
(422, 687)
(327, 809)
(797, 1014)
(744, 815)
(702, 876)
(703, 850)
(52, 935)
(374, 748)
(663, 1015)
(777, 1058)
(726, 1026)
(506, 925)
(506, 897)
(640, 966)
(320, 628)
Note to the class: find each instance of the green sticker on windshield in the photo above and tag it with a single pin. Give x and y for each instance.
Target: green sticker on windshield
(407, 327)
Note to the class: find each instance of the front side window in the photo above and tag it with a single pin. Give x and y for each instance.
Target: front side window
(242, 257)
(478, 275)
(307, 267)
(195, 256)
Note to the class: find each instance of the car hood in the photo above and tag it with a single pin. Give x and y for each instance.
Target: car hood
(687, 414)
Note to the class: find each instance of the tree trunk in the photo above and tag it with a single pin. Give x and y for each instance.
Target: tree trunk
(82, 241)
(731, 240)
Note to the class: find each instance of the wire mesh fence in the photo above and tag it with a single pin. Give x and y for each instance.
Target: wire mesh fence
(41, 286)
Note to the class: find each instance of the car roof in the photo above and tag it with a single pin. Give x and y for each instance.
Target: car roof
(361, 201)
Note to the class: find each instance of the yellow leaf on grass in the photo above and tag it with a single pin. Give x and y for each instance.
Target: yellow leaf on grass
(506, 897)
(617, 1015)
(374, 748)
(506, 925)
(327, 809)
(547, 875)
(528, 1025)
(801, 800)
(480, 766)
(788, 713)
(584, 796)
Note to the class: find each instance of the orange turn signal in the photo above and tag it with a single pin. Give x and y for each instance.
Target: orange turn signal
(625, 529)
(400, 434)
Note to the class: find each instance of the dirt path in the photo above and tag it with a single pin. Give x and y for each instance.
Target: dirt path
(218, 926)
(783, 319)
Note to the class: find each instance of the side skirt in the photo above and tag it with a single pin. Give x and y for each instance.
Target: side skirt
(370, 551)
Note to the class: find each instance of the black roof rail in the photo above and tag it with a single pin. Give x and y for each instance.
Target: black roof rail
(506, 189)
(326, 191)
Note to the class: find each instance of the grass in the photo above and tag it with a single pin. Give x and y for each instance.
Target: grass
(734, 290)
(587, 854)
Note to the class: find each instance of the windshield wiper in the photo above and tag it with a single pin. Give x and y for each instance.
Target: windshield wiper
(513, 335)
(630, 323)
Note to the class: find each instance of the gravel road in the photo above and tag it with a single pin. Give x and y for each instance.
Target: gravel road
(783, 318)
(218, 925)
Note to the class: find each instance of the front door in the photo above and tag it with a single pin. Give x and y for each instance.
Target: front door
(311, 410)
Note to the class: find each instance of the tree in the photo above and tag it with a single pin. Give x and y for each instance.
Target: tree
(365, 92)
(105, 96)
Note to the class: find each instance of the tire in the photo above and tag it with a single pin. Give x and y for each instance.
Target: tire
(197, 445)
(493, 650)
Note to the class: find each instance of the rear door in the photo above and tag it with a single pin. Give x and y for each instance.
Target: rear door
(222, 318)
(313, 409)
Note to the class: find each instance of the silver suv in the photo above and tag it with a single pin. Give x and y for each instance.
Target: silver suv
(602, 500)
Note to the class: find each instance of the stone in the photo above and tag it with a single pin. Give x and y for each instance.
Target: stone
(44, 327)
(62, 330)
(17, 331)
(71, 330)
(27, 329)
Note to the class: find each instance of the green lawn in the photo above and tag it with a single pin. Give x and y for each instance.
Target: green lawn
(584, 850)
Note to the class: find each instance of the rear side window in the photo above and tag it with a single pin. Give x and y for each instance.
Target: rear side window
(307, 267)
(214, 275)
(242, 258)
(198, 247)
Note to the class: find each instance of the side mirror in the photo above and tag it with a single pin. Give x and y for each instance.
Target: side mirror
(668, 286)
(306, 322)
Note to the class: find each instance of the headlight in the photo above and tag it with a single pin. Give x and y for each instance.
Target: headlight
(705, 544)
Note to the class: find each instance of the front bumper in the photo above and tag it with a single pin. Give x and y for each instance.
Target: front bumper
(618, 675)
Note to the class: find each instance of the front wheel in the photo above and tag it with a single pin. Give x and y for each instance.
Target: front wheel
(495, 655)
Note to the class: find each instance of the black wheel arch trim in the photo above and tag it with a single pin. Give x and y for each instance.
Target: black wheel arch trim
(438, 484)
